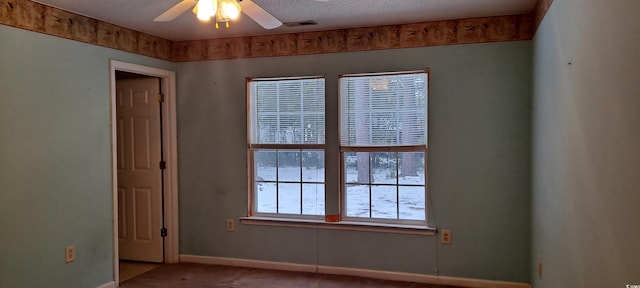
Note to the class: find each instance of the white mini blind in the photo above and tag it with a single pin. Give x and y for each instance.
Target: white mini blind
(287, 111)
(383, 109)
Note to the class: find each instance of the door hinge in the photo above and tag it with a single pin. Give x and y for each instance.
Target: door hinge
(163, 165)
(160, 97)
(163, 232)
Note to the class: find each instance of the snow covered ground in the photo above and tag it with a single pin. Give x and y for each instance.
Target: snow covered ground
(405, 201)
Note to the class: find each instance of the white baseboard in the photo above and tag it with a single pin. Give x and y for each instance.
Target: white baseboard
(376, 274)
(248, 263)
(111, 284)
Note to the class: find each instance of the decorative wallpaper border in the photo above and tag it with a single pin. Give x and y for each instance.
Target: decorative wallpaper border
(465, 31)
(52, 21)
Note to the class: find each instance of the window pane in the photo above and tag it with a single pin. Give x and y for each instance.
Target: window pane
(412, 202)
(289, 165)
(289, 129)
(350, 167)
(289, 198)
(384, 202)
(265, 197)
(357, 201)
(266, 128)
(384, 197)
(312, 165)
(265, 165)
(411, 168)
(284, 184)
(384, 168)
(313, 96)
(385, 128)
(383, 110)
(313, 128)
(288, 111)
(356, 167)
(289, 96)
(313, 199)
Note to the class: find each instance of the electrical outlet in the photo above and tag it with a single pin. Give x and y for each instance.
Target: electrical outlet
(230, 225)
(69, 254)
(445, 237)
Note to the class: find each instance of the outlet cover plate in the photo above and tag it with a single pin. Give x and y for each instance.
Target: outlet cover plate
(445, 237)
(69, 254)
(230, 225)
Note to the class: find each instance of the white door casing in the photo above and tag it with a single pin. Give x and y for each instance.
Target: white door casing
(169, 128)
(139, 173)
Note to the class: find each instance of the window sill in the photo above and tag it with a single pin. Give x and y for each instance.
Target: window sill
(342, 225)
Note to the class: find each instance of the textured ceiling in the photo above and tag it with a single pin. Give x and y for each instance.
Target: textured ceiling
(334, 14)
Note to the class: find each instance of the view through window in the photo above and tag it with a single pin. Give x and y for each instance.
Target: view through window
(286, 118)
(382, 142)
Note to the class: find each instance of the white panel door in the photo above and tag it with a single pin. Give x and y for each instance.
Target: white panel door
(139, 174)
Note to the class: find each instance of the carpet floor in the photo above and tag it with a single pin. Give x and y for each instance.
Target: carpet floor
(216, 276)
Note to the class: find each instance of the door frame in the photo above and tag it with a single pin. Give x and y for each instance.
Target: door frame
(168, 85)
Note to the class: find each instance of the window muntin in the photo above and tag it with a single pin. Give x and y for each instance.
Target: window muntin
(378, 189)
(383, 144)
(289, 181)
(286, 146)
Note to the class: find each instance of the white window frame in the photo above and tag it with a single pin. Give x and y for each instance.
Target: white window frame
(373, 149)
(252, 148)
(332, 220)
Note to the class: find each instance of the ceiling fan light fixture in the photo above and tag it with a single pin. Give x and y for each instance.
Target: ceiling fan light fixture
(223, 11)
(228, 10)
(205, 9)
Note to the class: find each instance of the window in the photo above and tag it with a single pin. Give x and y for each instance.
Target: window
(286, 146)
(383, 146)
(382, 137)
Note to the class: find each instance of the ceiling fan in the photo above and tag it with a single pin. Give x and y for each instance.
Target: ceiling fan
(222, 11)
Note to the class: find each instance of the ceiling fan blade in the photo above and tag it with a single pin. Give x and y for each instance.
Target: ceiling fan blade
(176, 10)
(259, 15)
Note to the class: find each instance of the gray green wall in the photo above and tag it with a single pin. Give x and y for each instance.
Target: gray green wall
(55, 160)
(55, 185)
(55, 180)
(479, 162)
(586, 145)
